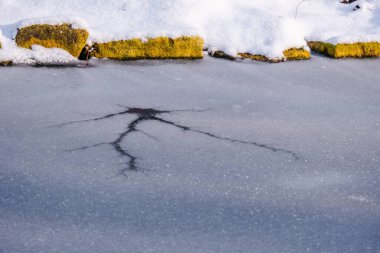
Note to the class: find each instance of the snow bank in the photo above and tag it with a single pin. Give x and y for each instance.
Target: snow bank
(231, 26)
(253, 31)
(53, 56)
(245, 26)
(37, 55)
(333, 22)
(110, 20)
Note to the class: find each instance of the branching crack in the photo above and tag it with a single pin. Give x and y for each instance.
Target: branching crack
(150, 114)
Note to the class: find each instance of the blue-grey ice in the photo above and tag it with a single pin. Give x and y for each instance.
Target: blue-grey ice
(271, 158)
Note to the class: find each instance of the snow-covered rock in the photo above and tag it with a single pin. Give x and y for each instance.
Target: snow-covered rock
(52, 33)
(258, 27)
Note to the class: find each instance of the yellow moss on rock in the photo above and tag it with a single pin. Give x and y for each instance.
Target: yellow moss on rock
(259, 57)
(53, 36)
(354, 50)
(153, 48)
(297, 54)
(290, 54)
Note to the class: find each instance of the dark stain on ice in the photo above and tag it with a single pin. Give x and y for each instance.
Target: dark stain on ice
(150, 114)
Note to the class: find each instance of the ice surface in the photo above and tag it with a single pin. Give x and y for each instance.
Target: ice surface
(191, 192)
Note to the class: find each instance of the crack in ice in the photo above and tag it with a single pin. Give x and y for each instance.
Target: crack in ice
(150, 114)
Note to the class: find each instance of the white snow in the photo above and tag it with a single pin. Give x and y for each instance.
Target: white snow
(53, 56)
(355, 38)
(75, 22)
(10, 52)
(258, 27)
(338, 23)
(37, 55)
(253, 31)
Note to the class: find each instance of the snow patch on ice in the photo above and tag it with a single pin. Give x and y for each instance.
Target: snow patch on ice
(360, 198)
(53, 56)
(36, 55)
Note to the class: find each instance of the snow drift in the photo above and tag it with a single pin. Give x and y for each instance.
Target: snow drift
(233, 26)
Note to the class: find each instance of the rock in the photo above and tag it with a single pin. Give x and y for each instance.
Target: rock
(152, 48)
(354, 50)
(6, 63)
(85, 54)
(223, 55)
(258, 57)
(297, 54)
(290, 54)
(53, 36)
(347, 1)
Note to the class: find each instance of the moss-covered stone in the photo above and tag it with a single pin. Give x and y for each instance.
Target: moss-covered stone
(258, 57)
(295, 54)
(222, 55)
(6, 63)
(290, 54)
(53, 36)
(354, 50)
(153, 48)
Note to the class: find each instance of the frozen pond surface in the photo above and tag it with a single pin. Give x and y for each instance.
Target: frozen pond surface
(199, 156)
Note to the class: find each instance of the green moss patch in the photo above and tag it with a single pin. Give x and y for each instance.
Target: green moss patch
(153, 48)
(53, 36)
(290, 54)
(354, 50)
